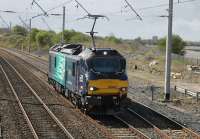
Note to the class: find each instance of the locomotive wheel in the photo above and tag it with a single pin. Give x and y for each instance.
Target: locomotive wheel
(84, 109)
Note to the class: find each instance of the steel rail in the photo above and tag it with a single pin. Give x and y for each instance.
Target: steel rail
(89, 118)
(156, 129)
(138, 133)
(20, 105)
(197, 136)
(43, 104)
(185, 129)
(30, 56)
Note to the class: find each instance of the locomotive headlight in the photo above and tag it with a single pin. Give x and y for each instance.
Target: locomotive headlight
(91, 88)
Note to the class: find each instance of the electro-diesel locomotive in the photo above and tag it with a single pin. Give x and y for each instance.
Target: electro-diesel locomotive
(91, 78)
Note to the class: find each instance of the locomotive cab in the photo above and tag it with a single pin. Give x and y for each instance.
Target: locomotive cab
(90, 78)
(106, 81)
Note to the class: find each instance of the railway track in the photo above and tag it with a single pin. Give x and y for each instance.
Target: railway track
(37, 58)
(159, 125)
(125, 131)
(39, 118)
(118, 128)
(38, 63)
(142, 124)
(169, 128)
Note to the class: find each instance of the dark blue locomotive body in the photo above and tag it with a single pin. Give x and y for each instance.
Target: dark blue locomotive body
(88, 77)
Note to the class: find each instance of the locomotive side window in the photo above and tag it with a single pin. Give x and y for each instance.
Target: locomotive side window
(73, 69)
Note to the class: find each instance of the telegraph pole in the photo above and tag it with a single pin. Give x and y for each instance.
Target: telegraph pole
(168, 52)
(63, 26)
(30, 29)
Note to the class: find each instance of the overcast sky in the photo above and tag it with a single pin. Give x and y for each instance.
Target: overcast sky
(123, 22)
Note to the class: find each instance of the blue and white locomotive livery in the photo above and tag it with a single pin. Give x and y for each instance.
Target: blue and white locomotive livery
(90, 78)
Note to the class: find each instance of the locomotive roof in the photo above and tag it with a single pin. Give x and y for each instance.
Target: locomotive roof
(71, 49)
(80, 50)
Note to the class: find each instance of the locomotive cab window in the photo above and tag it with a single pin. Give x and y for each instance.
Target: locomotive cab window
(106, 65)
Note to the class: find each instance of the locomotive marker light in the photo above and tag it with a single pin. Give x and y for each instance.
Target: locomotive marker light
(105, 53)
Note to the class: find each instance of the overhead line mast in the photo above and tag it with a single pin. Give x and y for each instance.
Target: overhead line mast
(167, 88)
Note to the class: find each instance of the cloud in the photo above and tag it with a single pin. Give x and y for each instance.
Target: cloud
(188, 29)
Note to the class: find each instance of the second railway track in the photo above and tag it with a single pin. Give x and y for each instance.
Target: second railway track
(41, 121)
(119, 128)
(170, 128)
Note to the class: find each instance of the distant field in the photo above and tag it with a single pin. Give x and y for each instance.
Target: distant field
(192, 52)
(192, 48)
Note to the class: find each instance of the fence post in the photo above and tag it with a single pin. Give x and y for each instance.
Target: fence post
(185, 92)
(175, 88)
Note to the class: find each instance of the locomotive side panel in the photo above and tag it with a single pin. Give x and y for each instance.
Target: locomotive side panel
(64, 70)
(72, 74)
(57, 68)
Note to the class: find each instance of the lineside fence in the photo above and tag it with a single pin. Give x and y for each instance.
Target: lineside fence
(192, 61)
(155, 93)
(195, 94)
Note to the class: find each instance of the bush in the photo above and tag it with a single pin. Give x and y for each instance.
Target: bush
(19, 30)
(79, 38)
(113, 39)
(71, 36)
(44, 38)
(177, 44)
(34, 32)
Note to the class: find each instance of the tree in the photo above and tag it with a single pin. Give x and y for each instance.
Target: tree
(44, 38)
(71, 36)
(19, 30)
(178, 44)
(34, 32)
